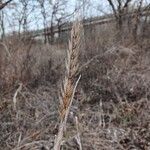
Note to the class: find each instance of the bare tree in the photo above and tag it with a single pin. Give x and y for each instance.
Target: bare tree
(3, 4)
(24, 13)
(119, 7)
(44, 15)
(146, 20)
(2, 28)
(53, 14)
(57, 15)
(137, 16)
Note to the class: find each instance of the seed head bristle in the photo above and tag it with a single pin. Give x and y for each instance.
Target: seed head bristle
(71, 67)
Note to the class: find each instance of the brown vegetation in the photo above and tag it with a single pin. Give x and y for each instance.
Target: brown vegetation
(110, 108)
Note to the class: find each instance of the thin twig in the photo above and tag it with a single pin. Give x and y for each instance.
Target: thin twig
(15, 95)
(78, 134)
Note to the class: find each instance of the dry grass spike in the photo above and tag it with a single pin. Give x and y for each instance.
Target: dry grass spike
(70, 83)
(71, 67)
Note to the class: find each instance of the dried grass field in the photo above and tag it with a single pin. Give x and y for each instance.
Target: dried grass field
(91, 92)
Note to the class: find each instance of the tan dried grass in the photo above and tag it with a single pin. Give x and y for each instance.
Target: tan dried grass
(70, 84)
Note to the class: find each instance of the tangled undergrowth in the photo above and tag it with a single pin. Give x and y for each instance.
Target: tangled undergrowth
(111, 104)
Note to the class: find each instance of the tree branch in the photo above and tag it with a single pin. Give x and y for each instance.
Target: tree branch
(113, 8)
(2, 5)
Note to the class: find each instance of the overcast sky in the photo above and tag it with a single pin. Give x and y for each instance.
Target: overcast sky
(92, 8)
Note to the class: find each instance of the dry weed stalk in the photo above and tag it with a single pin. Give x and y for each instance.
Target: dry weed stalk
(69, 85)
(6, 49)
(15, 95)
(78, 139)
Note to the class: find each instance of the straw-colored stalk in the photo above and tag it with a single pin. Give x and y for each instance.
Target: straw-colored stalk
(70, 84)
